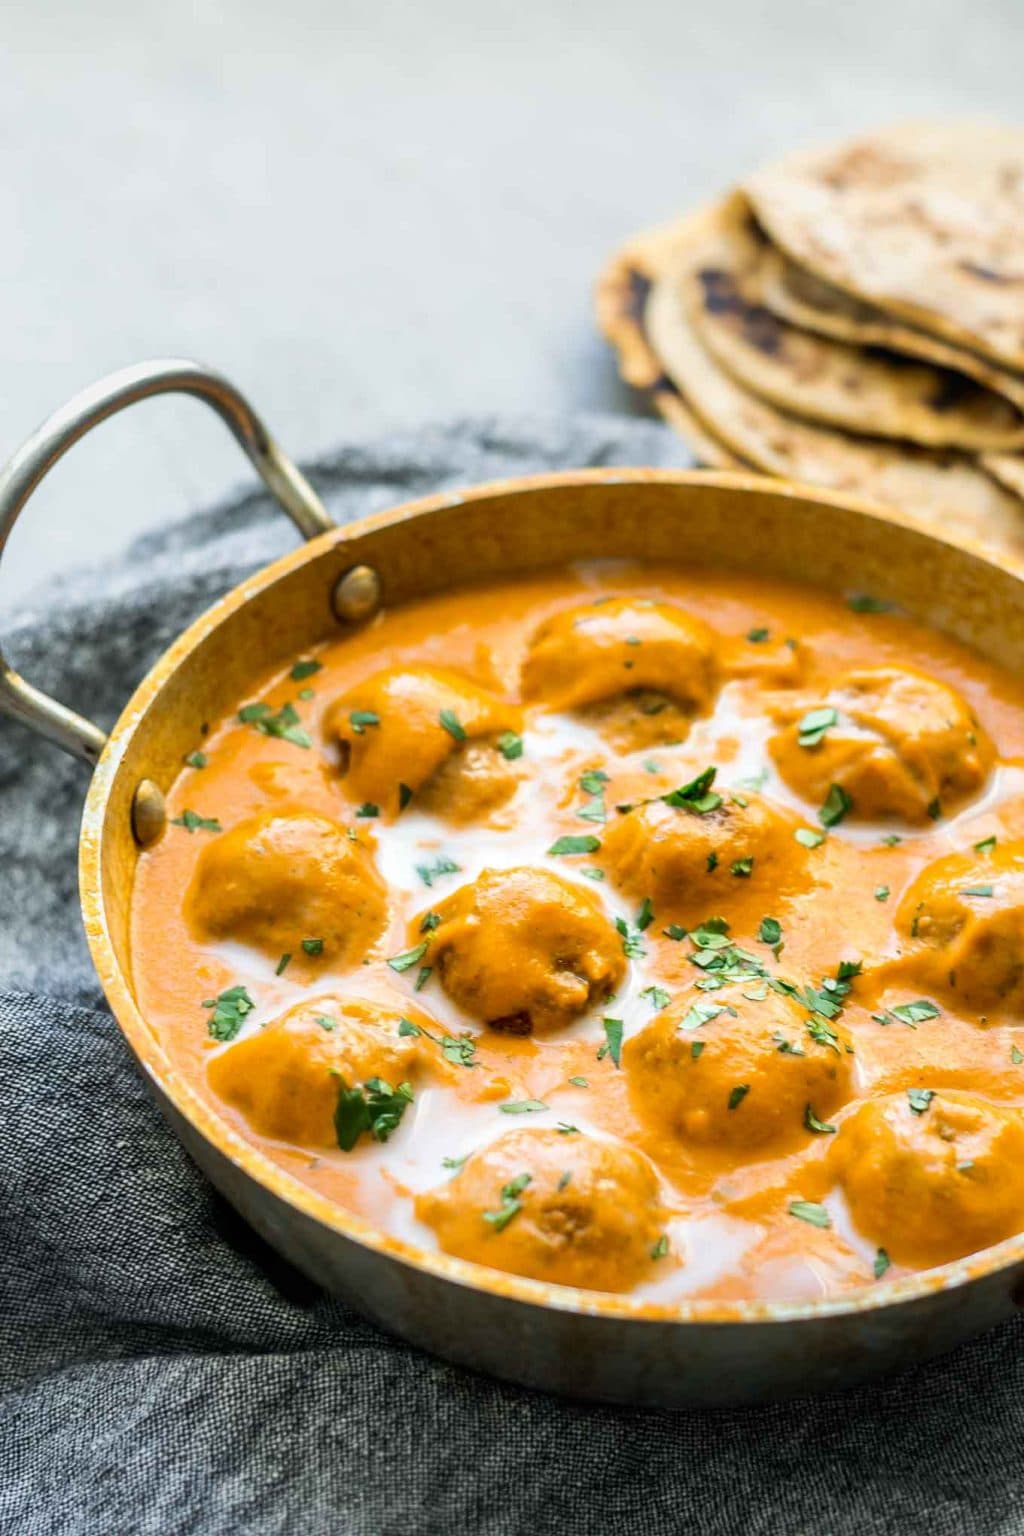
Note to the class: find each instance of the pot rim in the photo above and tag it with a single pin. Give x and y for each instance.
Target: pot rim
(249, 1160)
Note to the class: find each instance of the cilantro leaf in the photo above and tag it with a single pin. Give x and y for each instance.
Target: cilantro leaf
(696, 796)
(814, 726)
(376, 1108)
(584, 842)
(450, 720)
(613, 1041)
(837, 805)
(410, 957)
(229, 1010)
(193, 822)
(810, 1211)
(303, 669)
(510, 745)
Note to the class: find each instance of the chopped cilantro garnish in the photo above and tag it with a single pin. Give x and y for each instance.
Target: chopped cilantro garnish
(808, 837)
(814, 725)
(822, 1033)
(579, 1082)
(862, 602)
(632, 940)
(810, 1211)
(376, 1107)
(696, 796)
(450, 720)
(742, 868)
(658, 996)
(511, 1204)
(881, 893)
(593, 781)
(977, 890)
(881, 1264)
(522, 1106)
(675, 932)
(919, 1099)
(584, 842)
(193, 822)
(229, 1009)
(510, 745)
(758, 636)
(303, 669)
(770, 931)
(645, 916)
(703, 1013)
(359, 719)
(460, 1050)
(837, 804)
(404, 796)
(934, 809)
(659, 1249)
(409, 958)
(454, 1162)
(593, 873)
(612, 1041)
(368, 810)
(916, 1012)
(313, 946)
(738, 1094)
(283, 964)
(196, 760)
(696, 1048)
(284, 725)
(986, 845)
(820, 1127)
(442, 865)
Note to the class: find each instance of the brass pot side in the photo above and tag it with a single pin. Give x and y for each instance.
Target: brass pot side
(580, 1343)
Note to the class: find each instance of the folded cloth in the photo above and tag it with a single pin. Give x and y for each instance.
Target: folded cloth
(163, 1371)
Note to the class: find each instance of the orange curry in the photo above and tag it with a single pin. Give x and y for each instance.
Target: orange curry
(645, 930)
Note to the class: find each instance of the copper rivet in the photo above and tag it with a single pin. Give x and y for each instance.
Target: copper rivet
(357, 594)
(149, 814)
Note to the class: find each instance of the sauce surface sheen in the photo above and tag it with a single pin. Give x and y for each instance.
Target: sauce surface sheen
(568, 1114)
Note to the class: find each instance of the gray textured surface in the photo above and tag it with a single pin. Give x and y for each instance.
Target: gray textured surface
(378, 212)
(162, 1373)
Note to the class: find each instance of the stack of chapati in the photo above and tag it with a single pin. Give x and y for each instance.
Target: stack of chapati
(852, 317)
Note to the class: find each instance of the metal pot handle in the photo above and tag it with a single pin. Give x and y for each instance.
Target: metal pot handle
(37, 456)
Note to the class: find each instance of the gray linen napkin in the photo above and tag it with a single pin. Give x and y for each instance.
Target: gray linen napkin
(162, 1371)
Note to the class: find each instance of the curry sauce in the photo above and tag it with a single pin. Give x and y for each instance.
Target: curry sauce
(645, 930)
